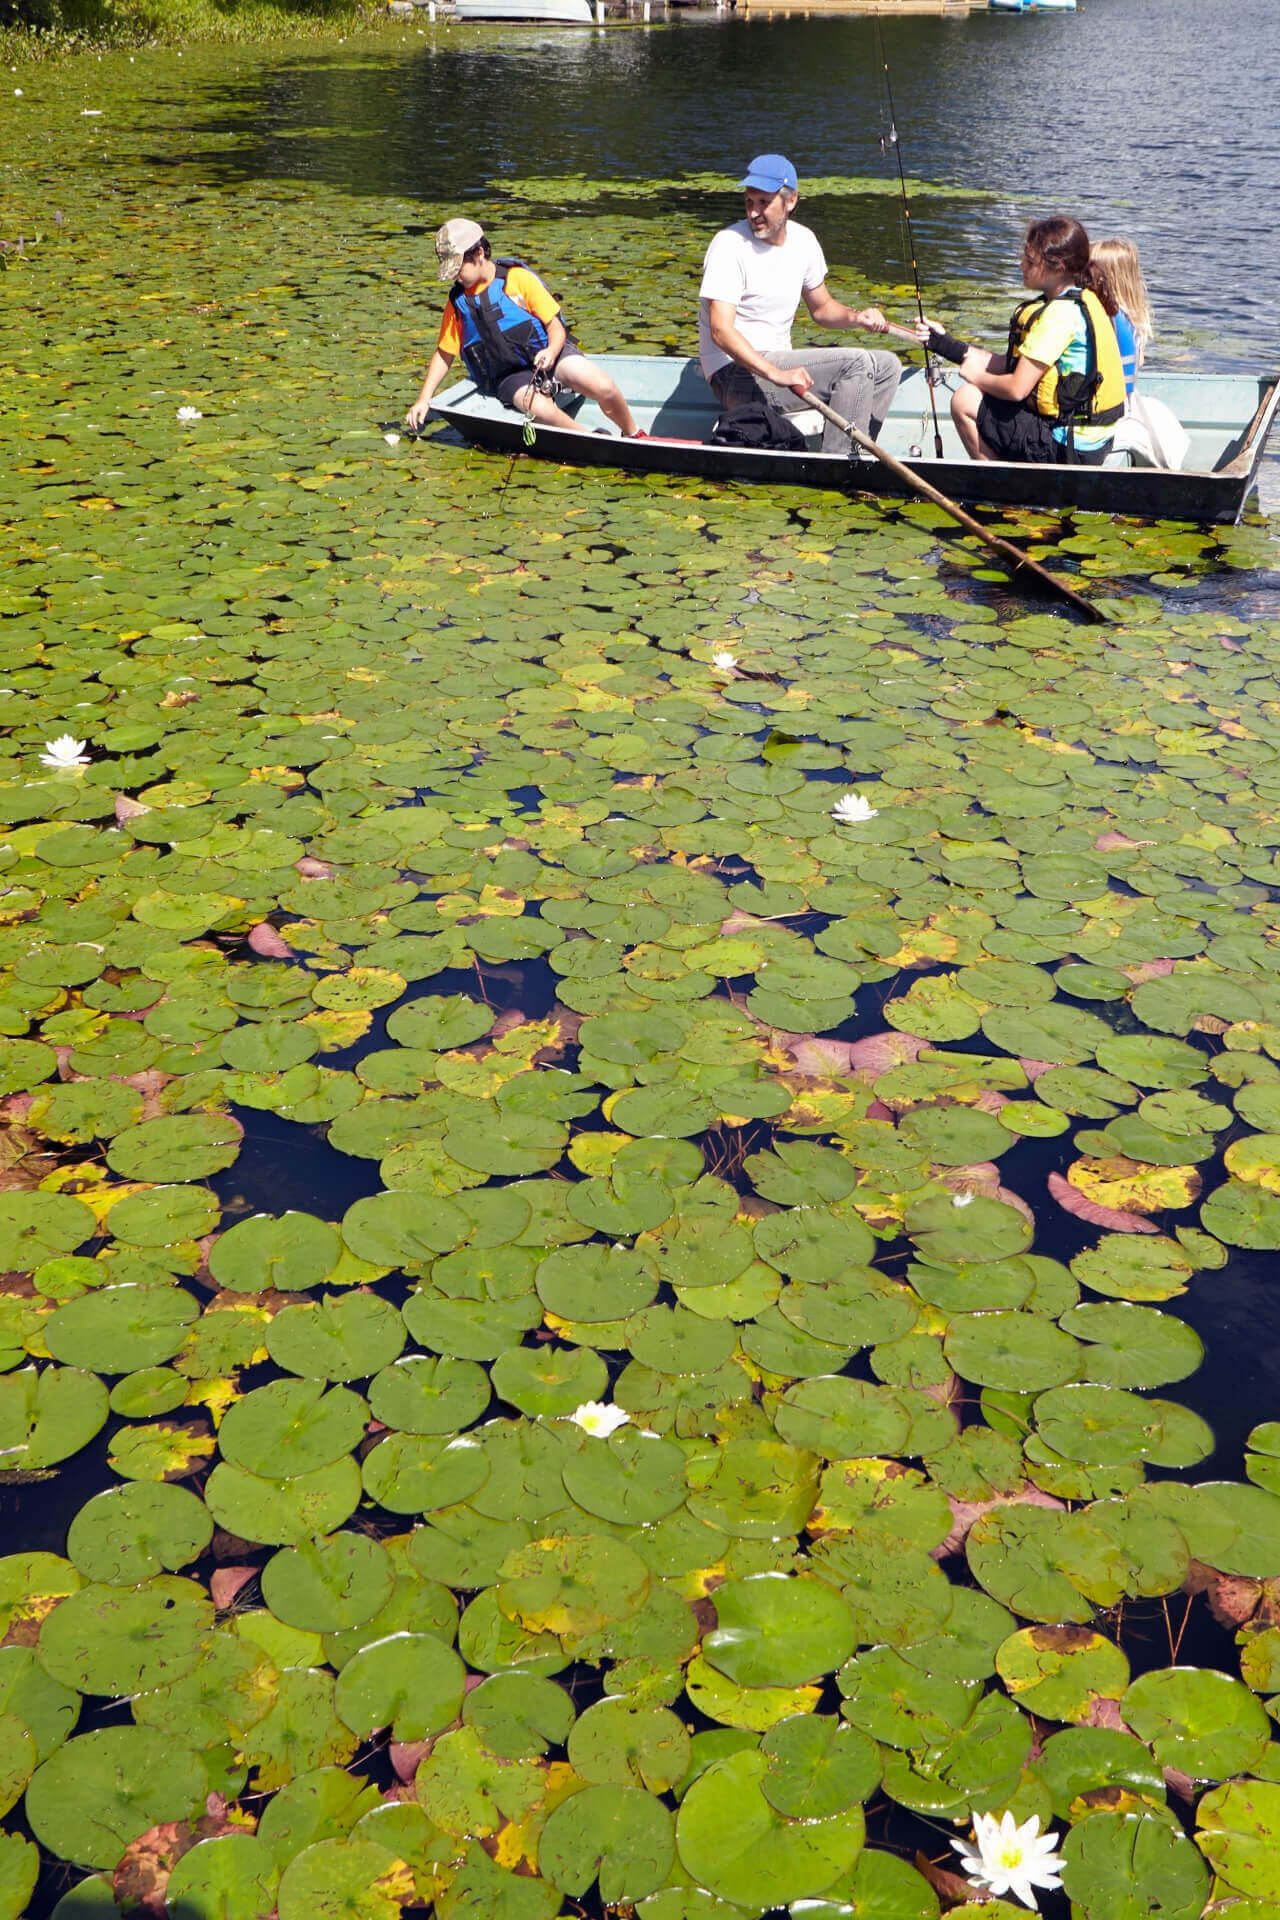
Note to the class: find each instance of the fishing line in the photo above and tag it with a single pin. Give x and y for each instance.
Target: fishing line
(908, 230)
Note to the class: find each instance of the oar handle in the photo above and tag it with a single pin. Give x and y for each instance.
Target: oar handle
(1005, 548)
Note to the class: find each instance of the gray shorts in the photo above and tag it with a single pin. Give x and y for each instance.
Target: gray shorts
(510, 385)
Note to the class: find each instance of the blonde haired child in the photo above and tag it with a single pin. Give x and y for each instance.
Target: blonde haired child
(1117, 261)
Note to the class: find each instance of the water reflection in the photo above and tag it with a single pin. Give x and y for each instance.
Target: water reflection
(1119, 112)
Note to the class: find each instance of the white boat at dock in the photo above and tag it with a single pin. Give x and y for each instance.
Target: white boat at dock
(542, 13)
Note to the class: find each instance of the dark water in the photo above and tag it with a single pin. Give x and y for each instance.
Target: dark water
(1151, 118)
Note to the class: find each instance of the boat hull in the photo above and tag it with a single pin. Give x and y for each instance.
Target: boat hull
(1227, 416)
(542, 13)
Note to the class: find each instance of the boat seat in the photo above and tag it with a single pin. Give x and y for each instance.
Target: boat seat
(809, 423)
(1119, 457)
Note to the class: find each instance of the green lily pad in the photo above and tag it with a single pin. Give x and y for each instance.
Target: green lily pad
(127, 1534)
(518, 1715)
(47, 1415)
(185, 1146)
(618, 1837)
(100, 1791)
(19, 1871)
(122, 1640)
(619, 1743)
(408, 1682)
(292, 1251)
(590, 1283)
(1058, 1673)
(35, 1227)
(118, 1329)
(572, 1586)
(1238, 1833)
(741, 1848)
(631, 1477)
(778, 1631)
(344, 1338)
(414, 1473)
(230, 1877)
(1203, 1723)
(818, 1767)
(283, 1513)
(1133, 1866)
(545, 1382)
(418, 1394)
(42, 1705)
(162, 1215)
(343, 1880)
(291, 1427)
(1017, 1351)
(754, 1489)
(327, 1585)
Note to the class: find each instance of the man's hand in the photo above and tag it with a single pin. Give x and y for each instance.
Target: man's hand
(544, 361)
(798, 378)
(417, 414)
(974, 363)
(872, 319)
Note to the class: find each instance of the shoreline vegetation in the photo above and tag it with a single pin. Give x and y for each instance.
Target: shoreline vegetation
(37, 30)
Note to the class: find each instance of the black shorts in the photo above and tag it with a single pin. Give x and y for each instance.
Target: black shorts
(510, 386)
(1017, 432)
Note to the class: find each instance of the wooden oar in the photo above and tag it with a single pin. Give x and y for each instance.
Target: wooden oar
(1014, 556)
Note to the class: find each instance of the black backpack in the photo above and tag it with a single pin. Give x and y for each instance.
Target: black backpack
(758, 425)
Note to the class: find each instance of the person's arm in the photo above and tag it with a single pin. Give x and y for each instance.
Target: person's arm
(436, 371)
(830, 312)
(987, 372)
(722, 318)
(556, 337)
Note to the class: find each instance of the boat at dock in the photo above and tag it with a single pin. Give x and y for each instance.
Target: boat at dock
(542, 13)
(1226, 416)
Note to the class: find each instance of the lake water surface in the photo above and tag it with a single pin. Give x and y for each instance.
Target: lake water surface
(439, 952)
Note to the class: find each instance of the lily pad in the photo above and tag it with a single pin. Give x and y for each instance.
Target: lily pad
(100, 1791)
(778, 1631)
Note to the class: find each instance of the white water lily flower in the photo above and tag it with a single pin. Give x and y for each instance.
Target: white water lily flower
(724, 662)
(1009, 1858)
(392, 439)
(190, 413)
(599, 1418)
(962, 1200)
(853, 808)
(64, 753)
(91, 113)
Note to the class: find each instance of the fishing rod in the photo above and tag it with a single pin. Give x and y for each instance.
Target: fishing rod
(908, 230)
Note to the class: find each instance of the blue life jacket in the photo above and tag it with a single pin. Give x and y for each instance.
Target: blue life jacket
(1127, 339)
(499, 336)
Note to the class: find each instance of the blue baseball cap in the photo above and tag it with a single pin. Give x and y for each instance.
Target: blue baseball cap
(771, 173)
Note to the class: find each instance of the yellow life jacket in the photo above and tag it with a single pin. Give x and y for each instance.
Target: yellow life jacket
(1093, 398)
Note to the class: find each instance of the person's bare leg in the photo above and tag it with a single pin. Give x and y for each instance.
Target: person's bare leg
(579, 373)
(965, 402)
(543, 409)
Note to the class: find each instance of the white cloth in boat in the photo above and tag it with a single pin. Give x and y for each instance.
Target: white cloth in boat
(764, 283)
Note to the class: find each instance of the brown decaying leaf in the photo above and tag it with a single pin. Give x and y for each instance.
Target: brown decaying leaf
(952, 1889)
(965, 1512)
(407, 1756)
(226, 1583)
(1105, 1713)
(267, 942)
(1071, 1200)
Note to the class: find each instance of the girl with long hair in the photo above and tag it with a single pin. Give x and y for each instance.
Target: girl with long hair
(1057, 391)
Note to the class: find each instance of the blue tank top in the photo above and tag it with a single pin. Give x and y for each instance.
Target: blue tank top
(1128, 342)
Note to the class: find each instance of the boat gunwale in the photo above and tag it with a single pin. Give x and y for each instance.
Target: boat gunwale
(1220, 493)
(1259, 426)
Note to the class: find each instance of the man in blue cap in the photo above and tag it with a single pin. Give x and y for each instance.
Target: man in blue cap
(753, 278)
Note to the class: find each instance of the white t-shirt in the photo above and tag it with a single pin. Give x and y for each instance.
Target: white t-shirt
(764, 283)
